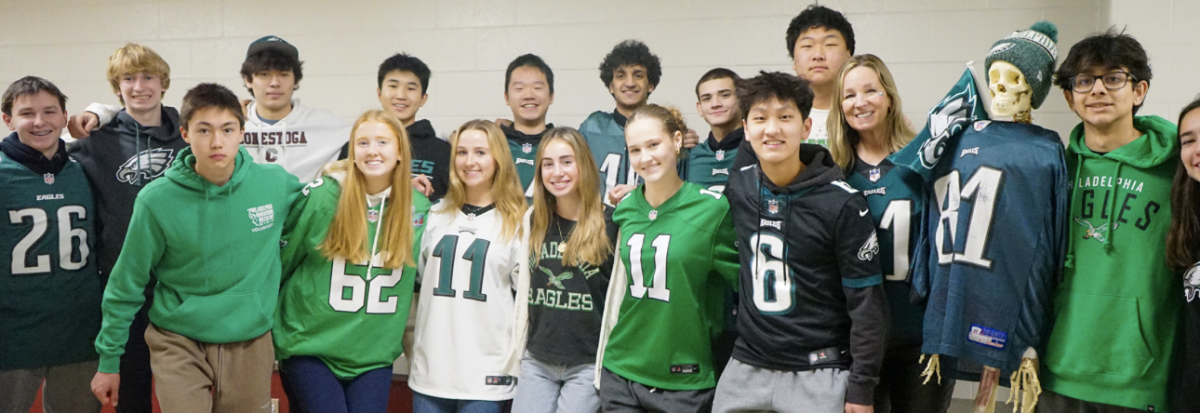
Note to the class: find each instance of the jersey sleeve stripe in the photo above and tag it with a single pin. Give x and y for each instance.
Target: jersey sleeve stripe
(868, 281)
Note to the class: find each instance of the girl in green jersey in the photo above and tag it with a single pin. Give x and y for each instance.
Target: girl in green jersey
(348, 274)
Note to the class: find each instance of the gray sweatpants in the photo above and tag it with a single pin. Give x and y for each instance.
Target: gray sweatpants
(67, 388)
(745, 388)
(619, 395)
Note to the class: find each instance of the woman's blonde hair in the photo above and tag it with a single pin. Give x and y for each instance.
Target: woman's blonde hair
(347, 237)
(842, 138)
(588, 242)
(506, 184)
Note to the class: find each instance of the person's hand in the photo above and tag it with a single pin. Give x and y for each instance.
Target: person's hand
(421, 183)
(82, 125)
(246, 107)
(105, 386)
(618, 192)
(858, 408)
(503, 123)
(691, 139)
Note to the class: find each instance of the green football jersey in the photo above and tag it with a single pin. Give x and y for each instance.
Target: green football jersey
(669, 313)
(50, 290)
(606, 138)
(710, 163)
(351, 315)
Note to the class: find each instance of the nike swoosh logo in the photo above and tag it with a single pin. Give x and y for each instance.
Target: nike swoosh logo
(863, 213)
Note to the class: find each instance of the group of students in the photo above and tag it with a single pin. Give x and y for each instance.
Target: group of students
(622, 266)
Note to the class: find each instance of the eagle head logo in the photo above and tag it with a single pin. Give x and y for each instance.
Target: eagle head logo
(145, 166)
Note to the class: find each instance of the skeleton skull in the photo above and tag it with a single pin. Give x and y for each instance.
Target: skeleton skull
(1011, 94)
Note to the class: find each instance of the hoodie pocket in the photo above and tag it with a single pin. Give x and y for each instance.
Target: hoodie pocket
(220, 318)
(1099, 334)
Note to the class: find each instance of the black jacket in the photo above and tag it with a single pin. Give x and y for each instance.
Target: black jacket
(119, 159)
(829, 310)
(431, 157)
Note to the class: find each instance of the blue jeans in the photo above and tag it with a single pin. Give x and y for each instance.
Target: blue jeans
(548, 388)
(316, 389)
(429, 404)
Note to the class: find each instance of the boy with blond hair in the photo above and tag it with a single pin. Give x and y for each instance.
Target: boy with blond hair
(119, 159)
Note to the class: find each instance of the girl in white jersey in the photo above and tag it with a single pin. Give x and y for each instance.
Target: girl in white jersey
(468, 264)
(561, 290)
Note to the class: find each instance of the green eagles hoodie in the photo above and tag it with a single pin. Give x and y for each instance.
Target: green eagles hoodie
(1117, 310)
(214, 250)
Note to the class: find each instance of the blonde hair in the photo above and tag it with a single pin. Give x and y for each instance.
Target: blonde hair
(347, 237)
(588, 242)
(506, 184)
(670, 118)
(133, 58)
(842, 138)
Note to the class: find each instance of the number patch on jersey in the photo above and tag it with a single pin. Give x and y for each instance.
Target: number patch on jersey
(610, 168)
(349, 279)
(72, 242)
(311, 185)
(981, 190)
(658, 285)
(476, 253)
(897, 218)
(774, 291)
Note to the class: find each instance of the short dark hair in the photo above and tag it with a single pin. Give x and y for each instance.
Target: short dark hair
(272, 59)
(529, 60)
(630, 53)
(404, 63)
(816, 16)
(30, 85)
(1108, 50)
(718, 73)
(777, 85)
(210, 95)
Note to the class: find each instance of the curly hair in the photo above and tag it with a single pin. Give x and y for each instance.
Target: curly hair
(629, 53)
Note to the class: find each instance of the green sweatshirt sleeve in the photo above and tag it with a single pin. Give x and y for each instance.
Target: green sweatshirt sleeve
(124, 295)
(725, 254)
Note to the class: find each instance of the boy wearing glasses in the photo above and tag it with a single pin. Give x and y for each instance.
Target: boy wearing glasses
(1117, 309)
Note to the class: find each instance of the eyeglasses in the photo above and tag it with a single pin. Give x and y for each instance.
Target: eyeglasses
(1112, 81)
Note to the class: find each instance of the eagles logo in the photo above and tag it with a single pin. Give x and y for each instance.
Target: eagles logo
(1191, 283)
(949, 118)
(145, 166)
(869, 248)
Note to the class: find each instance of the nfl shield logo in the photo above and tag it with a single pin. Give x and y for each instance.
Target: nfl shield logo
(875, 175)
(527, 148)
(49, 178)
(720, 155)
(773, 206)
(372, 215)
(653, 215)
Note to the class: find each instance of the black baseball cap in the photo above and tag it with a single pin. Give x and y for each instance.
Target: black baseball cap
(272, 43)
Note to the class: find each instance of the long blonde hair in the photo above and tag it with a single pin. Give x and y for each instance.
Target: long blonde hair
(588, 242)
(506, 184)
(347, 237)
(842, 138)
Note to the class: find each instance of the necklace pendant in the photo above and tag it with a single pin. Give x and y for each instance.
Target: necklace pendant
(562, 247)
(653, 214)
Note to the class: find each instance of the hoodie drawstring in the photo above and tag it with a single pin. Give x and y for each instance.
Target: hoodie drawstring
(1070, 261)
(375, 242)
(1112, 203)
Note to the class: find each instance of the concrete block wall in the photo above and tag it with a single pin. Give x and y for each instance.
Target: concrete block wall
(468, 44)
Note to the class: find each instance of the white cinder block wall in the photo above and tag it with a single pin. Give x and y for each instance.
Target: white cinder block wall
(468, 44)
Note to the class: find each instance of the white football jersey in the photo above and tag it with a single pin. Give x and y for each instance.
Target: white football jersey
(465, 315)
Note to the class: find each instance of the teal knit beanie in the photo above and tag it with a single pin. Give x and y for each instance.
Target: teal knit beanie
(1033, 51)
